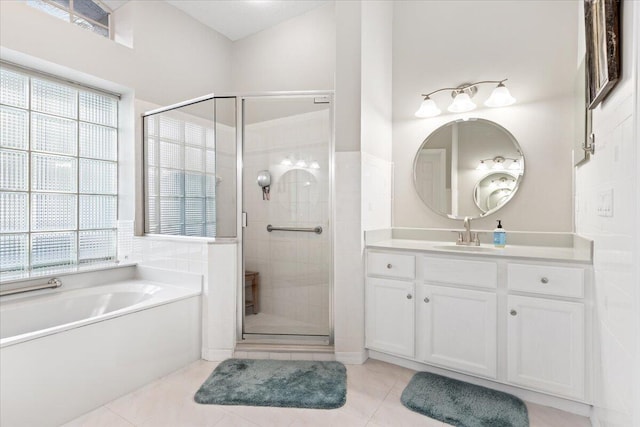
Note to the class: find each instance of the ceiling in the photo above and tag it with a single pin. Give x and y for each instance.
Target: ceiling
(237, 19)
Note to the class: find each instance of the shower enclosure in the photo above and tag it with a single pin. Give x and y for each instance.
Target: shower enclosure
(273, 153)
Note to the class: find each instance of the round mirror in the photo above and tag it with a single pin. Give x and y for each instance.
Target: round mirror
(459, 169)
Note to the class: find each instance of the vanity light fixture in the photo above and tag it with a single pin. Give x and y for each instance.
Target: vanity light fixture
(500, 97)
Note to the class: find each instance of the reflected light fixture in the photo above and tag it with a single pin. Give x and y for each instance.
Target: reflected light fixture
(499, 164)
(500, 97)
(482, 166)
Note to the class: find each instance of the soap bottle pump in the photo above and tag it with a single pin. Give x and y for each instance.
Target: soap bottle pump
(499, 236)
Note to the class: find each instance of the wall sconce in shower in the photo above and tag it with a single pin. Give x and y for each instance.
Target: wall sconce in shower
(498, 163)
(500, 97)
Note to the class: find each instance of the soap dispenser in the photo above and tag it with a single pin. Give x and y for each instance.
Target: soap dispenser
(499, 236)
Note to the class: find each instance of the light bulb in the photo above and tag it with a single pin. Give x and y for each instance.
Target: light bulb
(482, 166)
(428, 108)
(461, 103)
(515, 165)
(500, 97)
(497, 166)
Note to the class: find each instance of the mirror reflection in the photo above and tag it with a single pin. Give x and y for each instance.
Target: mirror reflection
(493, 190)
(469, 167)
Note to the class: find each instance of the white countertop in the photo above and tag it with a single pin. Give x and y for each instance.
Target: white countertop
(565, 247)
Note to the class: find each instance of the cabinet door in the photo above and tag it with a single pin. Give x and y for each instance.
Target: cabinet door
(457, 328)
(546, 345)
(390, 316)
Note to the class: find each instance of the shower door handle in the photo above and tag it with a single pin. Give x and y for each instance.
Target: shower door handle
(245, 219)
(316, 229)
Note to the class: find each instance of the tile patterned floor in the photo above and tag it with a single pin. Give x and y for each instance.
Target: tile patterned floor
(373, 400)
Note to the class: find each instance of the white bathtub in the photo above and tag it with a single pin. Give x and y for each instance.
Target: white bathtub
(66, 352)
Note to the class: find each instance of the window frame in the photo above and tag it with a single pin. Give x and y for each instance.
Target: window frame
(71, 10)
(152, 131)
(28, 270)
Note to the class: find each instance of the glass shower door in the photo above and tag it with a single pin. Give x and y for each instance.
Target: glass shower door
(286, 195)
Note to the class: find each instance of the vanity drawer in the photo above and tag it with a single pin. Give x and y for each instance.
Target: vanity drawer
(400, 266)
(483, 274)
(543, 279)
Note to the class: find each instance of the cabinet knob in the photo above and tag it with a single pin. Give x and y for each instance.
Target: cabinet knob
(544, 280)
(389, 266)
(409, 296)
(426, 299)
(513, 312)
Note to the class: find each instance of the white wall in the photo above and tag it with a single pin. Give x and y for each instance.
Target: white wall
(298, 54)
(376, 78)
(376, 114)
(616, 167)
(440, 44)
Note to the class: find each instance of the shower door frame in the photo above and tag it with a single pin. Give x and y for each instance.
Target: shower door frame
(241, 218)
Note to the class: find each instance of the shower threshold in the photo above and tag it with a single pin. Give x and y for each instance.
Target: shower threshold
(302, 343)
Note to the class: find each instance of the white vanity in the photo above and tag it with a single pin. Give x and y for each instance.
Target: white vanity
(518, 316)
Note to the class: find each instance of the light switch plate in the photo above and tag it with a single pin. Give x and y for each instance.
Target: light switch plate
(605, 203)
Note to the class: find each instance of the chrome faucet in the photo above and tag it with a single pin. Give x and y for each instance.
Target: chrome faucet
(466, 237)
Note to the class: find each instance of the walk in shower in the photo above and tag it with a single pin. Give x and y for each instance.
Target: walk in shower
(266, 160)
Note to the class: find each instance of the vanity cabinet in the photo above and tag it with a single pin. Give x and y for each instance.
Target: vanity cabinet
(457, 329)
(514, 321)
(546, 335)
(389, 303)
(390, 314)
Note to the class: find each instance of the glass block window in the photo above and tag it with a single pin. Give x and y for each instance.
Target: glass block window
(89, 14)
(58, 174)
(178, 167)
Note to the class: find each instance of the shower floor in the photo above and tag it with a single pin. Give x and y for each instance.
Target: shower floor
(265, 323)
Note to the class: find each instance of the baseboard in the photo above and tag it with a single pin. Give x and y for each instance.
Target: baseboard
(214, 355)
(578, 408)
(352, 357)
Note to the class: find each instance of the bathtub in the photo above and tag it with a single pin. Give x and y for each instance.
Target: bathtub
(66, 352)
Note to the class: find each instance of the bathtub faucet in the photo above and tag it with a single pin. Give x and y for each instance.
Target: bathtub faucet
(54, 283)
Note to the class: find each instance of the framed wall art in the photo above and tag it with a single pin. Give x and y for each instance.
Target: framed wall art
(602, 38)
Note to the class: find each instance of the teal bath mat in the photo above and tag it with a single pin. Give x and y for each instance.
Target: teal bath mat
(462, 404)
(283, 383)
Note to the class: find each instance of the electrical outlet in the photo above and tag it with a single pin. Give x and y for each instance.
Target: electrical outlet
(605, 203)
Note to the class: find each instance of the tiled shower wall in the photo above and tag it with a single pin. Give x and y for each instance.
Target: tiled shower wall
(293, 266)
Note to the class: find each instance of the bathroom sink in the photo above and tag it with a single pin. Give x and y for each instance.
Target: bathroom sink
(462, 248)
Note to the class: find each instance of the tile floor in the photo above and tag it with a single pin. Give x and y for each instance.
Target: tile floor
(373, 400)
